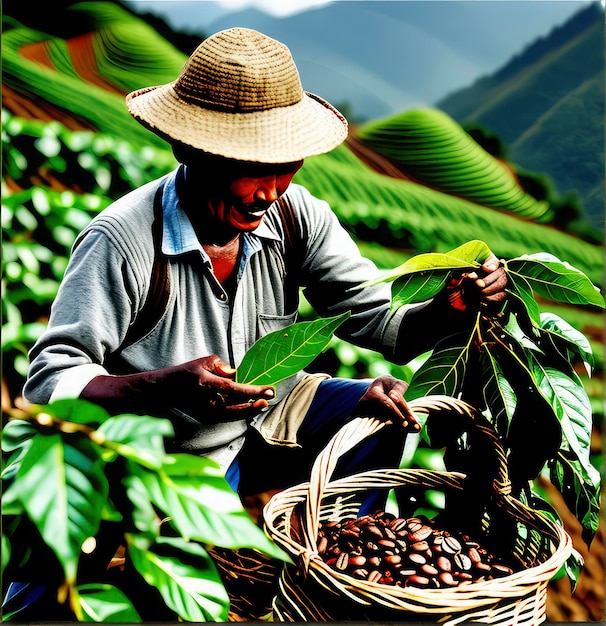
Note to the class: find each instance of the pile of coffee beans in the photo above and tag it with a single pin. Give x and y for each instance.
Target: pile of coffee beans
(391, 550)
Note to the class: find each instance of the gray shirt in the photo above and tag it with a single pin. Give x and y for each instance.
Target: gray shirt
(108, 278)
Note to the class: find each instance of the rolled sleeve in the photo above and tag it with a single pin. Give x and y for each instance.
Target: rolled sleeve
(71, 383)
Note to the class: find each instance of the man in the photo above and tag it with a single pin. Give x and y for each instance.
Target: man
(239, 241)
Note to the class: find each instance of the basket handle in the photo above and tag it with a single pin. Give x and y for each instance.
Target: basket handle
(359, 428)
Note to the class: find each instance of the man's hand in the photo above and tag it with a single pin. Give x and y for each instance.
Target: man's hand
(208, 384)
(204, 388)
(483, 290)
(385, 399)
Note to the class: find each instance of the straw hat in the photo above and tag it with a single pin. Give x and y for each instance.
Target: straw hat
(239, 96)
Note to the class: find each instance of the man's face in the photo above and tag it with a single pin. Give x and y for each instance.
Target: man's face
(239, 193)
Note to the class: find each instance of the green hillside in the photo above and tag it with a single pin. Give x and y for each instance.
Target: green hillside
(555, 88)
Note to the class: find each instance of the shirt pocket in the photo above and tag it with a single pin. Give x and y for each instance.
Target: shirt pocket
(269, 323)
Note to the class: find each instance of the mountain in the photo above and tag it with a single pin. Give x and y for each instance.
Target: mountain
(381, 57)
(547, 106)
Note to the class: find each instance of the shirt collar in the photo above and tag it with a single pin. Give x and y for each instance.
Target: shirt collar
(178, 234)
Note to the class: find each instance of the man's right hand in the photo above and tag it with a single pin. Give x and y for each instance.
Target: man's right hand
(203, 387)
(209, 382)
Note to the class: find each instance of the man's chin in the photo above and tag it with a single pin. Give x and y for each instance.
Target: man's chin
(248, 220)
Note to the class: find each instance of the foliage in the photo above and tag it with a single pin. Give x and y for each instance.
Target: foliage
(84, 478)
(40, 223)
(530, 390)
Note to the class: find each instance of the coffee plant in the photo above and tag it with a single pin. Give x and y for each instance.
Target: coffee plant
(520, 368)
(106, 524)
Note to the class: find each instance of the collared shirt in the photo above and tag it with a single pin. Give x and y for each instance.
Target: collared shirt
(108, 278)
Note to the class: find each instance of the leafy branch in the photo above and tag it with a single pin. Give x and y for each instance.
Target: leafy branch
(72, 471)
(519, 369)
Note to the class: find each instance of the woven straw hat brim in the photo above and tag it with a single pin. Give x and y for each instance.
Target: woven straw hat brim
(277, 135)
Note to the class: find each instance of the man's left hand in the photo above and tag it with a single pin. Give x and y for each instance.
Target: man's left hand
(384, 399)
(483, 290)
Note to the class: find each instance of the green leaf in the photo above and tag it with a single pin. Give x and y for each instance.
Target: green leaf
(556, 280)
(571, 406)
(63, 489)
(143, 514)
(16, 434)
(202, 506)
(574, 565)
(6, 552)
(76, 410)
(107, 604)
(282, 353)
(444, 371)
(523, 290)
(140, 437)
(580, 490)
(417, 287)
(426, 262)
(185, 576)
(497, 392)
(475, 252)
(555, 325)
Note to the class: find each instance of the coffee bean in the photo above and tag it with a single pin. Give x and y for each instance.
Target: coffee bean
(351, 533)
(404, 573)
(414, 524)
(446, 578)
(429, 569)
(375, 561)
(374, 576)
(474, 555)
(396, 551)
(373, 530)
(418, 581)
(462, 561)
(451, 545)
(498, 570)
(399, 525)
(322, 545)
(420, 546)
(342, 561)
(418, 559)
(421, 535)
(389, 533)
(444, 564)
(482, 567)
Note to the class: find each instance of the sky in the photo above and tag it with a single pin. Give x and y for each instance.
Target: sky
(177, 12)
(174, 10)
(278, 8)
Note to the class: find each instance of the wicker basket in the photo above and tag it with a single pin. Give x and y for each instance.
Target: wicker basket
(313, 591)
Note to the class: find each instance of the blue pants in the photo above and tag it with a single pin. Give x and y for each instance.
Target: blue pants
(261, 466)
